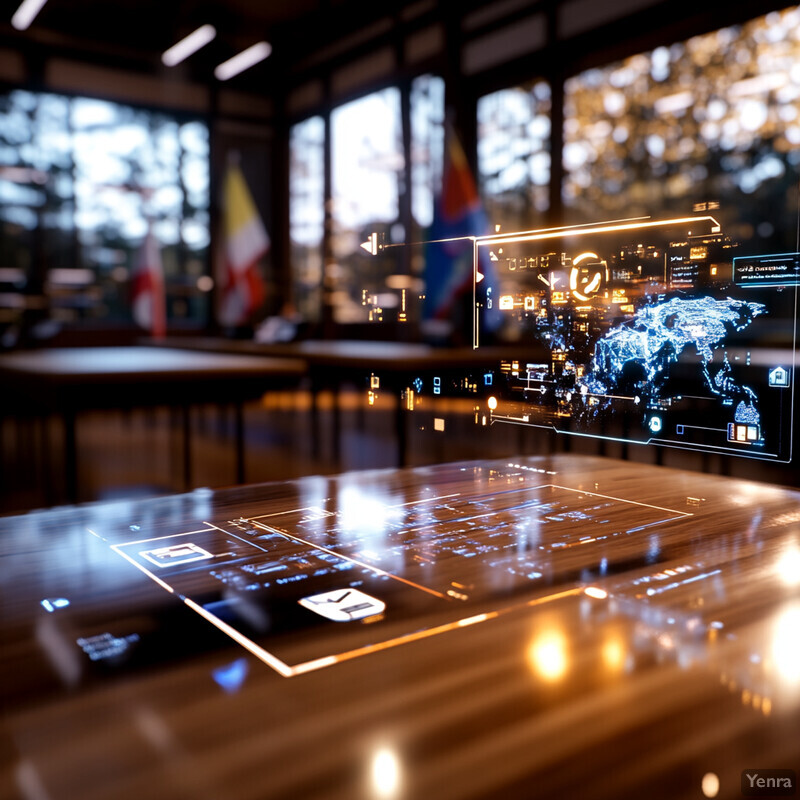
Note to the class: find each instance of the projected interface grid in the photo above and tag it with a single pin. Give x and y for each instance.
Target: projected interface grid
(650, 331)
(387, 574)
(656, 332)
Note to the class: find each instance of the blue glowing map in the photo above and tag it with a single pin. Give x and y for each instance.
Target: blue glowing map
(641, 332)
(636, 355)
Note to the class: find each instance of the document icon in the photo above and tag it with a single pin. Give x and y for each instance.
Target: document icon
(175, 554)
(343, 605)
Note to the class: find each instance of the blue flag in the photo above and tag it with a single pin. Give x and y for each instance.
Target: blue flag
(458, 213)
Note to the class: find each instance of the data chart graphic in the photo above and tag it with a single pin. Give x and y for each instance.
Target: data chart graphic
(655, 332)
(649, 331)
(362, 572)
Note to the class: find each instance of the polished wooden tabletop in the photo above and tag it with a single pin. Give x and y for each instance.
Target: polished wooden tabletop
(542, 627)
(362, 354)
(67, 365)
(68, 381)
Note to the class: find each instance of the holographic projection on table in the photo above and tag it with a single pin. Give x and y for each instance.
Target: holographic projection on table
(378, 565)
(650, 331)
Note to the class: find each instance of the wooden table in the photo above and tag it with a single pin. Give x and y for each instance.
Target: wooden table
(66, 381)
(549, 627)
(396, 365)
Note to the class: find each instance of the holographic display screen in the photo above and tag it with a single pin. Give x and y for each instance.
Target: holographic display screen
(653, 331)
(310, 587)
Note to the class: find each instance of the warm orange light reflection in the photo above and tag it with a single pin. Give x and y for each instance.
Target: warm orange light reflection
(548, 655)
(789, 565)
(710, 784)
(614, 654)
(786, 646)
(385, 773)
(552, 233)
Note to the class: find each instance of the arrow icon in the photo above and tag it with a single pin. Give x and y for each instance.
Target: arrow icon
(371, 245)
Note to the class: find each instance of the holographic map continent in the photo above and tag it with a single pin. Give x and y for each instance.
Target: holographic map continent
(637, 355)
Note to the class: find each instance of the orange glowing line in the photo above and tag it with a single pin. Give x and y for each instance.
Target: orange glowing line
(550, 597)
(583, 256)
(573, 227)
(536, 236)
(355, 561)
(595, 282)
(389, 643)
(146, 571)
(317, 663)
(309, 666)
(462, 623)
(252, 647)
(326, 661)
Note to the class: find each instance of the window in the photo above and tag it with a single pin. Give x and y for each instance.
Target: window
(514, 155)
(368, 186)
(367, 176)
(80, 181)
(306, 214)
(427, 146)
(715, 118)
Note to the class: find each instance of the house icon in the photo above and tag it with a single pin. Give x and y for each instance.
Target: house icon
(779, 377)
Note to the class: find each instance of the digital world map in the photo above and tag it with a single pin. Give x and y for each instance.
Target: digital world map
(635, 357)
(656, 332)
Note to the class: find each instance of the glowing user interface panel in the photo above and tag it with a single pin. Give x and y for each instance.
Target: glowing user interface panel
(364, 571)
(653, 331)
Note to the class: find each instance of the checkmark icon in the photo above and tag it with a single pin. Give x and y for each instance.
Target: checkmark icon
(343, 605)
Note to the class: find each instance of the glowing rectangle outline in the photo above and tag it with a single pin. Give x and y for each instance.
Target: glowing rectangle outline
(289, 671)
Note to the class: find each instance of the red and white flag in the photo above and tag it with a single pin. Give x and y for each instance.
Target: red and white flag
(246, 241)
(147, 288)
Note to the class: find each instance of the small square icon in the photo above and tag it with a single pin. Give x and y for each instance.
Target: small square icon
(779, 377)
(741, 433)
(343, 605)
(175, 554)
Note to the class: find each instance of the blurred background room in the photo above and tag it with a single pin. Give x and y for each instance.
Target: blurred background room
(202, 178)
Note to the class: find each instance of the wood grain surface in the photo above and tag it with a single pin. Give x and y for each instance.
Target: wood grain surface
(554, 627)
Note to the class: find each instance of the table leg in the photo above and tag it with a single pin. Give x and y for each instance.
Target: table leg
(337, 423)
(70, 456)
(239, 435)
(400, 427)
(186, 424)
(315, 446)
(44, 460)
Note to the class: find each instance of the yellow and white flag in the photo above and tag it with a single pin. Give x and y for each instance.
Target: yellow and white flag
(246, 241)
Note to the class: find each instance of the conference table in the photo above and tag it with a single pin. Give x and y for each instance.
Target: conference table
(392, 368)
(557, 626)
(67, 381)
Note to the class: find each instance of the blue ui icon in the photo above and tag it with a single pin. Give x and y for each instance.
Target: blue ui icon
(779, 376)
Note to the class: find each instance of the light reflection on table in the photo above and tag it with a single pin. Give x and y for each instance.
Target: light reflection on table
(549, 627)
